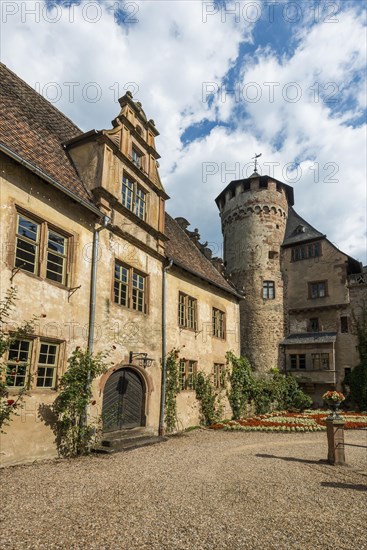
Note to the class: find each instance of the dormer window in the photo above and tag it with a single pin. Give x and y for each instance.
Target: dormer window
(136, 157)
(134, 197)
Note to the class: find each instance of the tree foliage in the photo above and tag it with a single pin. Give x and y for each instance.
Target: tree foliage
(358, 376)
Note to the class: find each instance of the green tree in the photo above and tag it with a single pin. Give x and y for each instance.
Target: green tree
(358, 376)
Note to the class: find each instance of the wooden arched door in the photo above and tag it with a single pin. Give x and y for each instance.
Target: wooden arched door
(123, 401)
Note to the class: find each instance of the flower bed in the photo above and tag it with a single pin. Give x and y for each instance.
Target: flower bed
(308, 421)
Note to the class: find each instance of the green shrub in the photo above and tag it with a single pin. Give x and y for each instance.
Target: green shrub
(210, 401)
(277, 391)
(242, 384)
(74, 434)
(358, 386)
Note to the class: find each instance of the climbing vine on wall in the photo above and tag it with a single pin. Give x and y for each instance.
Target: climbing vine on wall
(75, 435)
(242, 384)
(210, 400)
(172, 389)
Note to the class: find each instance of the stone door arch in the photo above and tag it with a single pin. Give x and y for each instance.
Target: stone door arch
(123, 400)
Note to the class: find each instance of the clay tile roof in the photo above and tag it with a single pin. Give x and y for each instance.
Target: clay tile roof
(187, 256)
(34, 129)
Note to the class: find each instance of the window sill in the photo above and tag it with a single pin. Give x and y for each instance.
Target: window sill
(194, 330)
(43, 279)
(126, 308)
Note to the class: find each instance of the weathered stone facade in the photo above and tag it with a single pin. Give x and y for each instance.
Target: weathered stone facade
(253, 221)
(63, 194)
(301, 292)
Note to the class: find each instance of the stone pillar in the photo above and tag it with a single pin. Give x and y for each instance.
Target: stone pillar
(335, 440)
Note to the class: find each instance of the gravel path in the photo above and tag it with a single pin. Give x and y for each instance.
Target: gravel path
(203, 490)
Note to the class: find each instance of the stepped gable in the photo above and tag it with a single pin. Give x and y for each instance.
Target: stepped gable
(34, 129)
(186, 255)
(298, 230)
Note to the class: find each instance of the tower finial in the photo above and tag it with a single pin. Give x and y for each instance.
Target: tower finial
(256, 157)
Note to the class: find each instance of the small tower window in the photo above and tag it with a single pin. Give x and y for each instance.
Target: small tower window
(263, 184)
(344, 323)
(246, 186)
(314, 324)
(136, 157)
(268, 290)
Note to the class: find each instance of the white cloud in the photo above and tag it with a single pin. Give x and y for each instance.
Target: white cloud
(169, 53)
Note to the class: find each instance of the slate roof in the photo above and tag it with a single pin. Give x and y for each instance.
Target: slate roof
(34, 129)
(298, 230)
(187, 256)
(310, 338)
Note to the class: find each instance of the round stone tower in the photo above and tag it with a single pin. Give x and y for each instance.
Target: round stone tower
(254, 214)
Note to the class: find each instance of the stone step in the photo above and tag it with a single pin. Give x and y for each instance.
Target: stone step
(129, 444)
(115, 438)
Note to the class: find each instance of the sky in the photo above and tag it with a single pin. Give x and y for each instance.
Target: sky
(222, 80)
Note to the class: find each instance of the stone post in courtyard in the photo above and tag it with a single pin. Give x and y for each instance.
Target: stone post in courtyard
(335, 440)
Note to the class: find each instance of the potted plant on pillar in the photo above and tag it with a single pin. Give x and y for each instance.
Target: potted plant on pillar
(333, 399)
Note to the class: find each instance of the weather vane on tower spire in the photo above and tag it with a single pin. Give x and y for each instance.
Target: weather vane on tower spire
(256, 157)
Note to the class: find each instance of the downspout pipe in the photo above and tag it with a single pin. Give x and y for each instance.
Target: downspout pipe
(93, 284)
(92, 299)
(164, 346)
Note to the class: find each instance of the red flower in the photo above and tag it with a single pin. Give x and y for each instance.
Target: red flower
(11, 402)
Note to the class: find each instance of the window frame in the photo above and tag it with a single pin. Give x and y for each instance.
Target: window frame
(219, 375)
(129, 285)
(187, 374)
(43, 250)
(187, 304)
(306, 251)
(266, 288)
(318, 283)
(344, 324)
(134, 197)
(47, 366)
(297, 361)
(319, 360)
(218, 323)
(314, 321)
(33, 364)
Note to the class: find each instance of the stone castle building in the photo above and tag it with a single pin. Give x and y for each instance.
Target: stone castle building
(88, 245)
(92, 252)
(302, 294)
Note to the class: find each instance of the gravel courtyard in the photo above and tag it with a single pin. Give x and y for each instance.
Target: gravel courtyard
(202, 490)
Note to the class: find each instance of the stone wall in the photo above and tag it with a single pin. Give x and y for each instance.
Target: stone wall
(253, 224)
